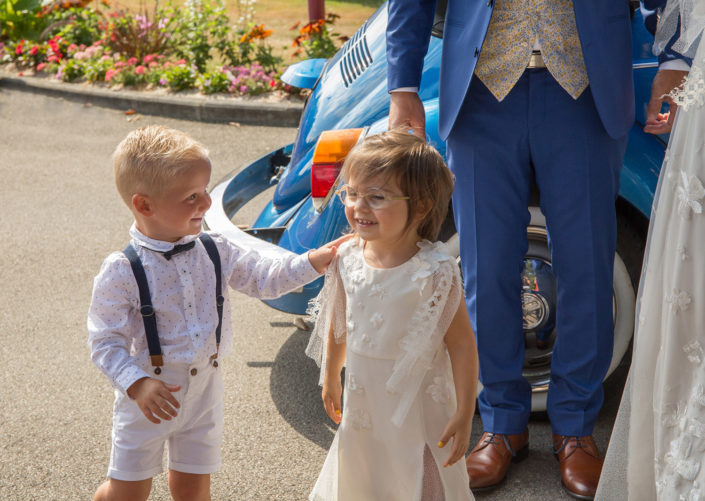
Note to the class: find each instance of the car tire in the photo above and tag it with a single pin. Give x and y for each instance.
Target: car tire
(623, 304)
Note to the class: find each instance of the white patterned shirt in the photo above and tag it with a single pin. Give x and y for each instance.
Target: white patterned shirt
(183, 296)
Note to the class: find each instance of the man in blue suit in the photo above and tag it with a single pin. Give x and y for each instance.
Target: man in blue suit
(532, 90)
(529, 90)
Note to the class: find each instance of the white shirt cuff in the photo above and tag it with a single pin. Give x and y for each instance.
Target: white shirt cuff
(405, 89)
(674, 64)
(302, 264)
(128, 377)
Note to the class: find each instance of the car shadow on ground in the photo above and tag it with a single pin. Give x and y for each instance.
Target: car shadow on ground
(293, 386)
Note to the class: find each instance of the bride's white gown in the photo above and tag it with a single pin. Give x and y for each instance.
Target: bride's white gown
(657, 449)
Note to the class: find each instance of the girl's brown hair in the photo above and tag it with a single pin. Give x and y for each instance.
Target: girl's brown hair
(418, 168)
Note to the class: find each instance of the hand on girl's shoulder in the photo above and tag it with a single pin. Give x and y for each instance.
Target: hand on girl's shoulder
(320, 258)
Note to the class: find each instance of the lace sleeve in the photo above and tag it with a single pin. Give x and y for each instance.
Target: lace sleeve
(428, 327)
(686, 15)
(327, 310)
(689, 16)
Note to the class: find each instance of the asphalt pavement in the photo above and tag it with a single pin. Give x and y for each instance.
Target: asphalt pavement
(60, 217)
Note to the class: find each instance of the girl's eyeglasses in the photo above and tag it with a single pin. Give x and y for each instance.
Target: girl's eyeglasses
(375, 198)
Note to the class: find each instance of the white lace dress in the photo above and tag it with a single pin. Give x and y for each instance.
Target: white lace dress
(657, 449)
(398, 393)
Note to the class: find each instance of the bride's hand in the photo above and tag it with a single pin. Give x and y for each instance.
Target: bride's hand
(664, 82)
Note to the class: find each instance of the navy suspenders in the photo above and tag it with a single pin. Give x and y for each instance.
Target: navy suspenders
(147, 311)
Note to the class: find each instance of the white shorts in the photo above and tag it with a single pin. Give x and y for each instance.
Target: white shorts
(194, 435)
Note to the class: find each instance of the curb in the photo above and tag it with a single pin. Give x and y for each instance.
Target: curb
(203, 109)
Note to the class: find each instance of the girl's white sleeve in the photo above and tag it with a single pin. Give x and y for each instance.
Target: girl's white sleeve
(328, 312)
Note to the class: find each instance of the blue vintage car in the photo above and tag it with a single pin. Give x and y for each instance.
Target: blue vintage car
(349, 91)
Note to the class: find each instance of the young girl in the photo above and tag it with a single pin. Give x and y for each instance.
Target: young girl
(391, 310)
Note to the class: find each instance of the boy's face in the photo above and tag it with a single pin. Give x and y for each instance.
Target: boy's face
(179, 210)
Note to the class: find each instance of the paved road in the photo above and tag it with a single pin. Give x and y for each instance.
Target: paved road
(60, 217)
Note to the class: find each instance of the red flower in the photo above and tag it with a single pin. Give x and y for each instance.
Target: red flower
(33, 51)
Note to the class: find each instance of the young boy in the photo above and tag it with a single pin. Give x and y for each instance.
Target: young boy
(158, 321)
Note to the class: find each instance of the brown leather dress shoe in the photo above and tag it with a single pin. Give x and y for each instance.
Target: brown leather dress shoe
(581, 464)
(489, 461)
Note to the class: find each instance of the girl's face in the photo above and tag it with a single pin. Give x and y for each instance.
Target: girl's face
(386, 224)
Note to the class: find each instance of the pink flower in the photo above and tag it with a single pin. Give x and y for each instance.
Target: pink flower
(132, 61)
(73, 47)
(153, 64)
(52, 58)
(140, 70)
(181, 61)
(41, 66)
(33, 51)
(163, 81)
(110, 74)
(149, 58)
(243, 89)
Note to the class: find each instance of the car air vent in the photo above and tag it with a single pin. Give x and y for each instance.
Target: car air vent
(356, 56)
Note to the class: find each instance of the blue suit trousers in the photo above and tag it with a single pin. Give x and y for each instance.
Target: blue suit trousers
(495, 149)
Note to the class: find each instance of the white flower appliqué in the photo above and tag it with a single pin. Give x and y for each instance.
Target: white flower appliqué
(376, 320)
(439, 390)
(359, 419)
(683, 253)
(694, 351)
(678, 458)
(679, 300)
(689, 192)
(353, 384)
(698, 395)
(378, 291)
(673, 415)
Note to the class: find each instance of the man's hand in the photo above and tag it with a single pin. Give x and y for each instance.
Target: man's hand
(664, 82)
(406, 110)
(154, 398)
(458, 428)
(320, 258)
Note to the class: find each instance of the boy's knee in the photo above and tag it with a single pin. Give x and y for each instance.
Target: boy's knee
(121, 490)
(189, 486)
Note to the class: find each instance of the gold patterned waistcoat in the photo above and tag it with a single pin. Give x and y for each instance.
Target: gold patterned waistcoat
(514, 27)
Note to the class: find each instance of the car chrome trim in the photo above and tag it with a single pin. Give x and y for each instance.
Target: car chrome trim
(356, 56)
(649, 64)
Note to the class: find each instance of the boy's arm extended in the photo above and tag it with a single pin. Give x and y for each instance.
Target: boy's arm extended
(462, 349)
(272, 274)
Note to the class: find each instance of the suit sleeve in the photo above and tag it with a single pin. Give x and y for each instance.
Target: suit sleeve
(408, 33)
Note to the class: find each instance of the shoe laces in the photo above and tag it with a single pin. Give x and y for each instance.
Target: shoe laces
(492, 439)
(578, 443)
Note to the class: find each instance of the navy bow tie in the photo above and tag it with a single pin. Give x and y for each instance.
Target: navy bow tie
(178, 248)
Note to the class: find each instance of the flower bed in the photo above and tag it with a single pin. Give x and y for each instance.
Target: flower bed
(191, 46)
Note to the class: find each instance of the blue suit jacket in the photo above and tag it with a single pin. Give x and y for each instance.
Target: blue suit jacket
(604, 28)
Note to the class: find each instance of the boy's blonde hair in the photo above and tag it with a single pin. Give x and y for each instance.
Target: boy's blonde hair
(418, 168)
(150, 157)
